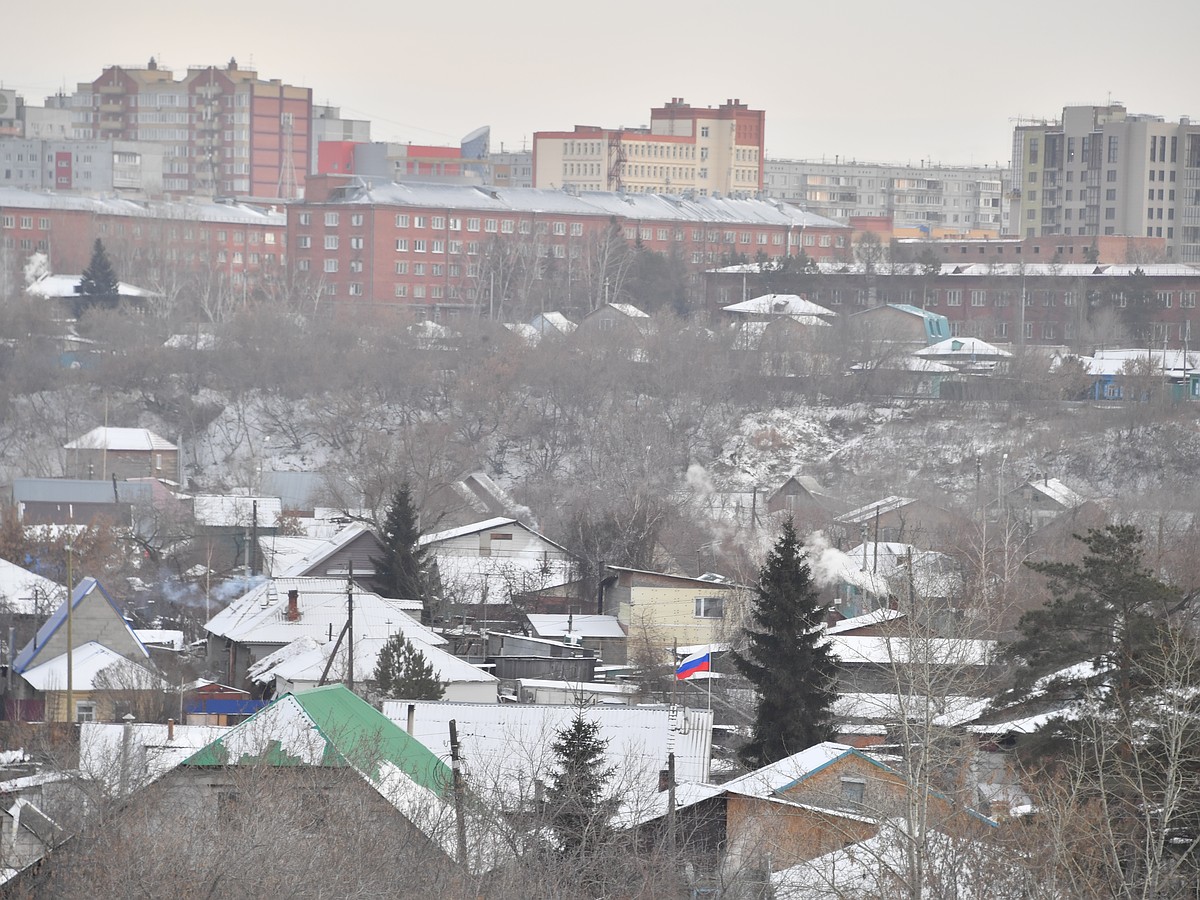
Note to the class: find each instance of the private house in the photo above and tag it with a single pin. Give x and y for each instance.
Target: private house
(800, 807)
(552, 323)
(211, 703)
(66, 501)
(1041, 500)
(508, 744)
(602, 634)
(277, 611)
(806, 501)
(673, 609)
(354, 546)
(470, 499)
(122, 453)
(909, 663)
(899, 519)
(771, 307)
(226, 529)
(1138, 374)
(623, 319)
(891, 574)
(302, 664)
(966, 355)
(65, 291)
(478, 569)
(100, 640)
(901, 324)
(309, 768)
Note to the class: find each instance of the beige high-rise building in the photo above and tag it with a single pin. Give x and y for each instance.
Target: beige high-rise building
(1103, 171)
(708, 151)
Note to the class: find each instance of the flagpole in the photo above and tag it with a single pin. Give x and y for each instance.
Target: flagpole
(710, 676)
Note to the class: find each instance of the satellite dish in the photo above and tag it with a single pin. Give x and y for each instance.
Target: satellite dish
(3, 103)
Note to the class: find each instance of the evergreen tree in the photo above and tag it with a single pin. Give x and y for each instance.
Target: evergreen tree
(99, 281)
(400, 571)
(1109, 610)
(403, 672)
(787, 658)
(576, 804)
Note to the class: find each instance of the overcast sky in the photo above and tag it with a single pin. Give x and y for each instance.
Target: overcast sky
(860, 79)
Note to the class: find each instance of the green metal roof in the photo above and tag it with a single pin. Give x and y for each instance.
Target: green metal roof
(326, 726)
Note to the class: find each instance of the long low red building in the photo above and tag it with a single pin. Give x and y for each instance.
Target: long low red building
(443, 248)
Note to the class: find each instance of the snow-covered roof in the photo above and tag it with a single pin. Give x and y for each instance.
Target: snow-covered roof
(587, 626)
(948, 711)
(791, 770)
(120, 439)
(963, 347)
(322, 550)
(507, 744)
(260, 615)
(152, 753)
(217, 511)
(305, 660)
(903, 363)
(526, 333)
(58, 287)
(628, 309)
(1057, 491)
(160, 637)
(185, 211)
(87, 661)
(880, 507)
(880, 650)
(1174, 363)
(876, 617)
(450, 534)
(27, 593)
(554, 320)
(779, 305)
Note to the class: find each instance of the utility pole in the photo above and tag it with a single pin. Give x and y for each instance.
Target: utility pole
(350, 627)
(460, 819)
(70, 635)
(671, 805)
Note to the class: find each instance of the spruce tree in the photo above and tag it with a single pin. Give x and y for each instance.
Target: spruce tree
(787, 658)
(400, 571)
(99, 280)
(575, 803)
(402, 672)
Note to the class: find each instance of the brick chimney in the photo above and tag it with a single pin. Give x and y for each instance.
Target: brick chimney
(293, 611)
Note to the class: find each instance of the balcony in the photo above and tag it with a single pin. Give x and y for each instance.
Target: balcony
(112, 89)
(112, 125)
(111, 107)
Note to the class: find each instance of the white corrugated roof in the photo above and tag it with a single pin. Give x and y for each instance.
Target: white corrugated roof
(547, 625)
(87, 661)
(225, 512)
(120, 439)
(779, 305)
(26, 593)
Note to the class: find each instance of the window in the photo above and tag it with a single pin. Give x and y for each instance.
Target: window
(1188, 300)
(402, 245)
(331, 242)
(854, 790)
(954, 298)
(1164, 299)
(402, 290)
(305, 218)
(356, 219)
(709, 608)
(455, 224)
(418, 246)
(356, 289)
(402, 268)
(979, 298)
(304, 242)
(85, 711)
(356, 243)
(419, 222)
(401, 221)
(356, 265)
(331, 220)
(331, 265)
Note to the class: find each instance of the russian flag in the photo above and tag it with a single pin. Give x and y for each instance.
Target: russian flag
(697, 662)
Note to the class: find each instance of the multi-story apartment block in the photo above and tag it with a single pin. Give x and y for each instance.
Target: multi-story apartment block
(1019, 301)
(121, 167)
(928, 198)
(512, 170)
(1103, 171)
(225, 131)
(685, 149)
(328, 125)
(151, 243)
(443, 248)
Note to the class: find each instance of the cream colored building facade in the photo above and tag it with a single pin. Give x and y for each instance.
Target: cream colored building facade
(707, 151)
(674, 610)
(1100, 170)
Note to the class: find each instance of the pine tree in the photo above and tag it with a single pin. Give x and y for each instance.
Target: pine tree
(400, 571)
(575, 803)
(1109, 610)
(403, 672)
(787, 658)
(99, 280)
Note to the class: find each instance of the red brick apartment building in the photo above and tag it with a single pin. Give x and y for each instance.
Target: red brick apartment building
(226, 132)
(236, 241)
(439, 248)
